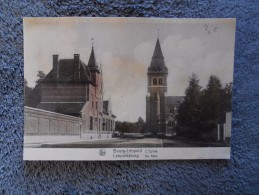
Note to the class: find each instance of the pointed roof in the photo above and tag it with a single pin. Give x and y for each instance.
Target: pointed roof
(158, 51)
(92, 62)
(157, 64)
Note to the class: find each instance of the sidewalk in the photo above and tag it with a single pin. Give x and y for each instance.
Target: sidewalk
(70, 141)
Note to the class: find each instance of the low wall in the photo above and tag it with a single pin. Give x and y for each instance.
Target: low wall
(42, 122)
(43, 126)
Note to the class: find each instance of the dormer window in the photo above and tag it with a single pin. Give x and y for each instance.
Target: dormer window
(160, 81)
(154, 81)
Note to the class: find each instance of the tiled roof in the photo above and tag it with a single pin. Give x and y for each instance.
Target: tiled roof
(72, 109)
(66, 72)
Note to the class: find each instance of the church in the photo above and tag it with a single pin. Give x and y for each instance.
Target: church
(76, 89)
(161, 110)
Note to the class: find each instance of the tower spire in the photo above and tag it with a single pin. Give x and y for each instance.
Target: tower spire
(92, 61)
(157, 63)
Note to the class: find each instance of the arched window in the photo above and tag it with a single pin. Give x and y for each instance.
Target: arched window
(160, 81)
(154, 81)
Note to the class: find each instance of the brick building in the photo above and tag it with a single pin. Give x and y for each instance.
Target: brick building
(161, 109)
(76, 89)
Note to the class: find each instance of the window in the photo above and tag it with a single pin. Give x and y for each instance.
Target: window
(91, 123)
(154, 81)
(160, 81)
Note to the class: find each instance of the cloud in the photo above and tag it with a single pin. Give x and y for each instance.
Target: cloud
(125, 83)
(143, 52)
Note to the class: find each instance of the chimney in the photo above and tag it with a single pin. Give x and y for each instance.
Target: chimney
(76, 66)
(55, 67)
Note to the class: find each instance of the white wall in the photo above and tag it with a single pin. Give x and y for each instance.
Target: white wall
(227, 125)
(42, 122)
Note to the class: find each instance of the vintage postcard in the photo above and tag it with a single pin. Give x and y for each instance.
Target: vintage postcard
(127, 88)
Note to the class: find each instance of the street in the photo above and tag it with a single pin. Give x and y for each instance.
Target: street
(129, 143)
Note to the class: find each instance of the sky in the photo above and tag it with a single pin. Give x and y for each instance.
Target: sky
(124, 47)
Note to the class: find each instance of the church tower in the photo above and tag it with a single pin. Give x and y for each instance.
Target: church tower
(157, 88)
(92, 65)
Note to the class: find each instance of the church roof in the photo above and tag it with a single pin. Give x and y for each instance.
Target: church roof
(172, 100)
(157, 64)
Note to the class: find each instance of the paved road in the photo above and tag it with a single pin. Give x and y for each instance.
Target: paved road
(128, 142)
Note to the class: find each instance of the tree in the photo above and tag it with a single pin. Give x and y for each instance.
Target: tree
(27, 91)
(202, 110)
(130, 127)
(189, 111)
(40, 76)
(211, 103)
(34, 95)
(122, 127)
(226, 97)
(140, 125)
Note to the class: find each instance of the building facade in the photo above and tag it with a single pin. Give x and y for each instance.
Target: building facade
(76, 89)
(161, 110)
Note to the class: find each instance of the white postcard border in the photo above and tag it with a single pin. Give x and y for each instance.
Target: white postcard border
(118, 154)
